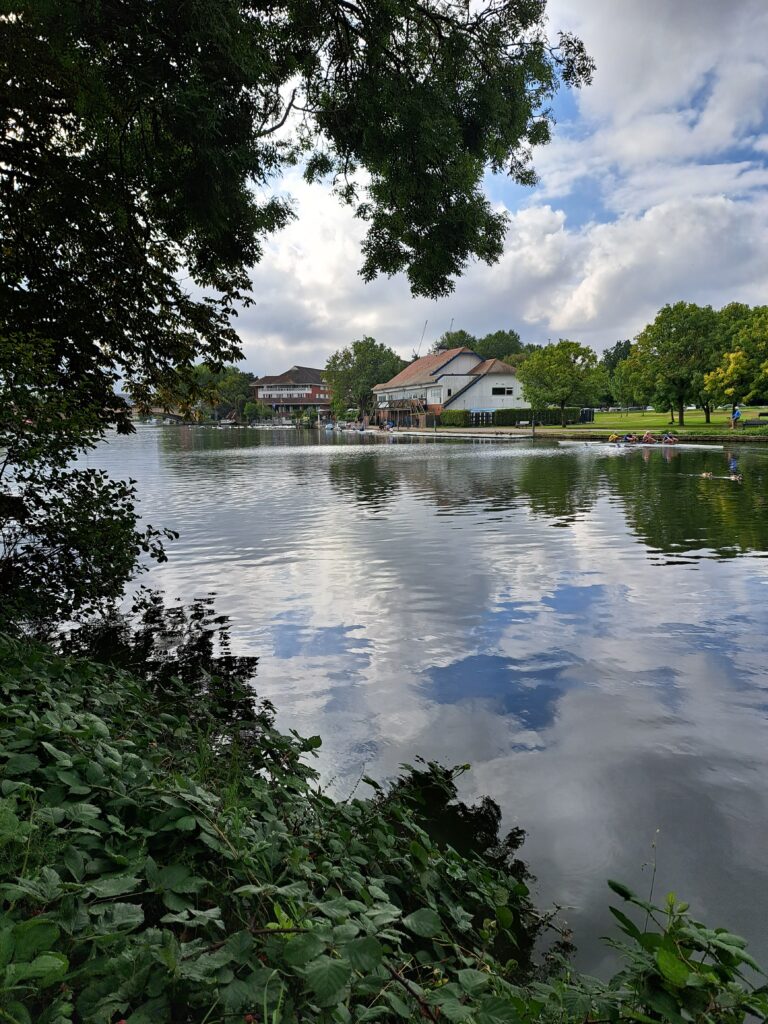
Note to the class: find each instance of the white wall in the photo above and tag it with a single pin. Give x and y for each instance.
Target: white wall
(481, 395)
(460, 364)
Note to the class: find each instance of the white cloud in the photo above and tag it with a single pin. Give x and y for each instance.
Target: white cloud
(657, 192)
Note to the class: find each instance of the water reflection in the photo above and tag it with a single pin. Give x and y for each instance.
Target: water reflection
(604, 677)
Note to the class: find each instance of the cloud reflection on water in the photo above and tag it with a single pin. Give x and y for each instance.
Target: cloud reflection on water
(605, 677)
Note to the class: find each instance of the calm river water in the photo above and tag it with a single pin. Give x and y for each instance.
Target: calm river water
(587, 629)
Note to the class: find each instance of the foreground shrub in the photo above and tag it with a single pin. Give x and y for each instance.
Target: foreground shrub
(161, 866)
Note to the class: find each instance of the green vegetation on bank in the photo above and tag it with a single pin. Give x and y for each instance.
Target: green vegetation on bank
(169, 857)
(657, 422)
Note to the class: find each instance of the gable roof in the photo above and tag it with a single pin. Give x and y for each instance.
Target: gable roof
(492, 366)
(424, 370)
(296, 375)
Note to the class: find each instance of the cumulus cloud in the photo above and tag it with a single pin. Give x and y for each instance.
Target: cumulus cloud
(654, 191)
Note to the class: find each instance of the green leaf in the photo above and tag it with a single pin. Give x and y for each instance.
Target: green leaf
(248, 993)
(33, 936)
(364, 954)
(397, 1004)
(21, 764)
(505, 916)
(188, 823)
(302, 949)
(424, 922)
(418, 852)
(117, 916)
(6, 946)
(621, 890)
(328, 978)
(75, 862)
(370, 1013)
(672, 967)
(665, 1004)
(730, 939)
(455, 1011)
(494, 1010)
(19, 1013)
(47, 969)
(178, 878)
(627, 926)
(116, 885)
(58, 755)
(472, 981)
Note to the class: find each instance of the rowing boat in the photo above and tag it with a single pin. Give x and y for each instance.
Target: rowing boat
(638, 444)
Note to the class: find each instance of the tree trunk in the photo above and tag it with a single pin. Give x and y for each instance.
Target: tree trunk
(707, 412)
(672, 415)
(562, 414)
(681, 413)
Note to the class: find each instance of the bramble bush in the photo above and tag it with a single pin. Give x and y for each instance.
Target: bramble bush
(168, 856)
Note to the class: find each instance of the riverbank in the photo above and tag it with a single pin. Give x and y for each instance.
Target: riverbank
(584, 433)
(168, 856)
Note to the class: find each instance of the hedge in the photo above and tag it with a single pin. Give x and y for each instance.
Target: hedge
(455, 418)
(545, 417)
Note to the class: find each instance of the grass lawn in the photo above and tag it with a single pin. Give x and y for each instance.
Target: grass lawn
(657, 422)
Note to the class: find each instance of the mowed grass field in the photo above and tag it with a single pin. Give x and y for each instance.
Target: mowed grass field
(657, 422)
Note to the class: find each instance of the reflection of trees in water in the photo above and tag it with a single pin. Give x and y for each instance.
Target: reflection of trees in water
(674, 510)
(666, 502)
(562, 487)
(557, 487)
(367, 478)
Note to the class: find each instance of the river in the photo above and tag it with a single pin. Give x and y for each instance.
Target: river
(586, 628)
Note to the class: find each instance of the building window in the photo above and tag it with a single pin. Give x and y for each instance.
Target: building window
(510, 391)
(498, 391)
(450, 392)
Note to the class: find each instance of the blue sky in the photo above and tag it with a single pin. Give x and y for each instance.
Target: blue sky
(654, 189)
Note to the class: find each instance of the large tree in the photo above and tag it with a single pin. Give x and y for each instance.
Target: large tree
(140, 144)
(562, 374)
(143, 144)
(499, 345)
(742, 373)
(677, 350)
(352, 372)
(454, 339)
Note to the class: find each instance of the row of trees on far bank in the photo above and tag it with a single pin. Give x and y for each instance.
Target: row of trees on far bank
(688, 355)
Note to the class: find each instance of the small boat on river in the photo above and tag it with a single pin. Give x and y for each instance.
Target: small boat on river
(627, 445)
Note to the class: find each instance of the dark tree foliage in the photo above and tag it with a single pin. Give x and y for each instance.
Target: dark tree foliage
(140, 142)
(454, 339)
(499, 345)
(616, 354)
(139, 157)
(69, 536)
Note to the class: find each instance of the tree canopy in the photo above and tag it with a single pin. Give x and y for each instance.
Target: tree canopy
(454, 339)
(742, 374)
(561, 374)
(203, 393)
(675, 352)
(352, 372)
(140, 147)
(140, 163)
(496, 345)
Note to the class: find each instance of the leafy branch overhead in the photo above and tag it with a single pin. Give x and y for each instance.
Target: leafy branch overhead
(142, 144)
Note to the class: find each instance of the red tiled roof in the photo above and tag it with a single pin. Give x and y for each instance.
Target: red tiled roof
(492, 366)
(423, 370)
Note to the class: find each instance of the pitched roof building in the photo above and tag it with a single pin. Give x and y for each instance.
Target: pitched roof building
(456, 379)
